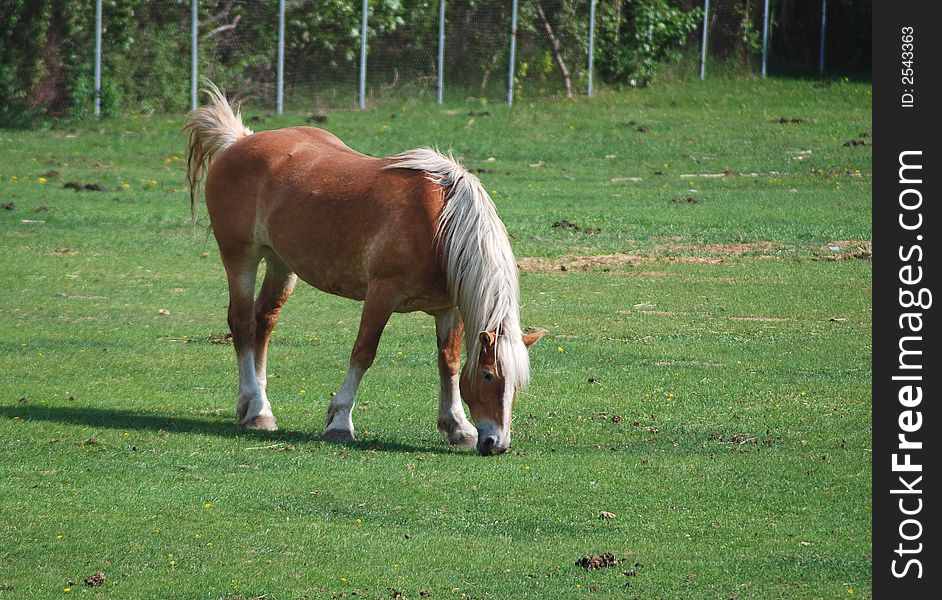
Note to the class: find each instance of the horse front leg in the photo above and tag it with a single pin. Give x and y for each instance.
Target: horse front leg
(381, 300)
(452, 421)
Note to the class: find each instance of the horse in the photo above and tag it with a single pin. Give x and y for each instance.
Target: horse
(410, 232)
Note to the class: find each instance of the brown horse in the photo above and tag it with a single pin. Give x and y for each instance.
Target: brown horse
(410, 232)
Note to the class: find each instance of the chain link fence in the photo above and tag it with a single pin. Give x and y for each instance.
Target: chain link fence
(238, 48)
(412, 49)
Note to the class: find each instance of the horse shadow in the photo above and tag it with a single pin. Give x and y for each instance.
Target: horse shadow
(106, 418)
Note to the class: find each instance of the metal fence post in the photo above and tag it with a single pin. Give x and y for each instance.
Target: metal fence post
(194, 30)
(703, 43)
(97, 58)
(513, 52)
(765, 35)
(648, 62)
(279, 102)
(824, 15)
(591, 44)
(441, 51)
(366, 9)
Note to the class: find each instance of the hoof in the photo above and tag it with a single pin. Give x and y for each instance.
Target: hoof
(463, 439)
(339, 436)
(262, 423)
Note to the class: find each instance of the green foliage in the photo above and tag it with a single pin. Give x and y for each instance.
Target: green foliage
(751, 36)
(50, 45)
(47, 48)
(23, 28)
(47, 65)
(636, 38)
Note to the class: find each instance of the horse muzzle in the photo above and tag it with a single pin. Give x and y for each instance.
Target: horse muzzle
(491, 441)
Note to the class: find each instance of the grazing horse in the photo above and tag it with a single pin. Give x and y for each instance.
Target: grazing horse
(411, 232)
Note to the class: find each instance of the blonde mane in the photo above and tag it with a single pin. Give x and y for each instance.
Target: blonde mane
(481, 268)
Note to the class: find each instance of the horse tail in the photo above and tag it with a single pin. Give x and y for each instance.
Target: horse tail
(210, 130)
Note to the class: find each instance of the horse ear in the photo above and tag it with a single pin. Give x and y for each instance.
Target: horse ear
(533, 337)
(488, 338)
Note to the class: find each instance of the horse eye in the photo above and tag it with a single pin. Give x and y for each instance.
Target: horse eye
(488, 376)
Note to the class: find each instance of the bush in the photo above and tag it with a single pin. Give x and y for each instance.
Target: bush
(634, 39)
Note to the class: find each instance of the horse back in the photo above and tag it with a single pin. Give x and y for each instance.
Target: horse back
(337, 218)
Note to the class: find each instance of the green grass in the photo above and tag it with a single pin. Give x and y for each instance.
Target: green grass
(738, 466)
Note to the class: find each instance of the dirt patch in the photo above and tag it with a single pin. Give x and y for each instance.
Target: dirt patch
(598, 561)
(694, 260)
(568, 262)
(740, 249)
(864, 139)
(95, 579)
(859, 249)
(655, 313)
(319, 119)
(9, 206)
(687, 200)
(849, 244)
(220, 338)
(861, 254)
(760, 319)
(717, 249)
(88, 187)
(670, 250)
(728, 173)
(788, 121)
(63, 251)
(566, 224)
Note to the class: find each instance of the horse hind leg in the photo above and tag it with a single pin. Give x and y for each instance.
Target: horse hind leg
(277, 286)
(253, 408)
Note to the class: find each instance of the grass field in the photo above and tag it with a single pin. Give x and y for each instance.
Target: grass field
(706, 377)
